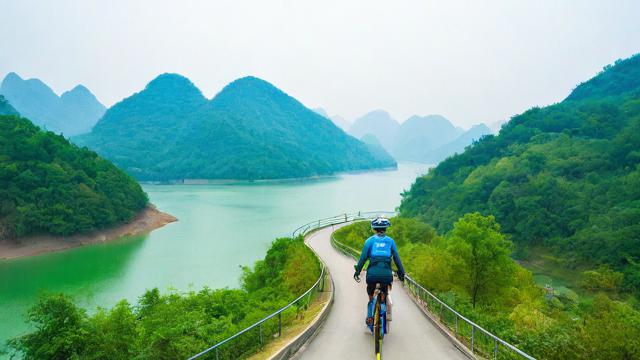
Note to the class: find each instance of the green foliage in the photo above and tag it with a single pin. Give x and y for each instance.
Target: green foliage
(250, 130)
(602, 279)
(611, 330)
(61, 330)
(485, 267)
(404, 230)
(48, 185)
(174, 326)
(565, 177)
(511, 305)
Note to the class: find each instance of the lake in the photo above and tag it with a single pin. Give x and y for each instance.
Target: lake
(220, 228)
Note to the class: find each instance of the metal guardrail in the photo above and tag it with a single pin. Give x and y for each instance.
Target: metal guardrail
(470, 340)
(318, 285)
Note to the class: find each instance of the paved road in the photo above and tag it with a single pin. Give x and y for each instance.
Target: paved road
(345, 336)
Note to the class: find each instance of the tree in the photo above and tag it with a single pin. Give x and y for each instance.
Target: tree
(483, 254)
(61, 331)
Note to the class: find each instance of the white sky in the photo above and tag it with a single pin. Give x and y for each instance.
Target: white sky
(470, 61)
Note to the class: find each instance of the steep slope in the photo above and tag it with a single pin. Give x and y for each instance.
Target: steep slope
(48, 185)
(458, 145)
(378, 123)
(623, 77)
(6, 108)
(250, 130)
(566, 176)
(374, 146)
(419, 135)
(75, 112)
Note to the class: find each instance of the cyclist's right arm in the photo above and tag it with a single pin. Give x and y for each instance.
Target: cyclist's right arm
(364, 255)
(396, 259)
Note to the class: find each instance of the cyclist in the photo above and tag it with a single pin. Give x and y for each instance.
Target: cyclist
(378, 249)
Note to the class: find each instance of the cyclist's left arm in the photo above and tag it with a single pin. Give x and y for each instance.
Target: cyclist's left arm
(396, 259)
(363, 256)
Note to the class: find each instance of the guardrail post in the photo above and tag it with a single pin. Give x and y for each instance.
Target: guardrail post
(473, 336)
(216, 353)
(260, 328)
(279, 324)
(495, 348)
(456, 324)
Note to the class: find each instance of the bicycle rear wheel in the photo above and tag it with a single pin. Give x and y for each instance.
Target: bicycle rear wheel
(377, 330)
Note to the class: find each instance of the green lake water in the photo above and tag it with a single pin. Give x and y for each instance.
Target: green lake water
(220, 228)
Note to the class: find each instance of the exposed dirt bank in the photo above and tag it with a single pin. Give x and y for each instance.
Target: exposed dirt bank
(146, 221)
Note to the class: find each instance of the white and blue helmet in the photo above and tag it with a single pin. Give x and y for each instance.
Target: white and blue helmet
(380, 223)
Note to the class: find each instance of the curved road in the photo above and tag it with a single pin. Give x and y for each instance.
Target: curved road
(344, 334)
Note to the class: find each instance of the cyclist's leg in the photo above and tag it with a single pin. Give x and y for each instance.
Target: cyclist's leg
(371, 287)
(384, 289)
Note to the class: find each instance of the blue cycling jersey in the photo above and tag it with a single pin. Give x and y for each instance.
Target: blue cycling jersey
(380, 249)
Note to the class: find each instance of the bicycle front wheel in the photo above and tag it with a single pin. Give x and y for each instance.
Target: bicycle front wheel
(377, 330)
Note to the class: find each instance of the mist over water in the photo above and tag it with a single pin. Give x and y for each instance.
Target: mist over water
(221, 227)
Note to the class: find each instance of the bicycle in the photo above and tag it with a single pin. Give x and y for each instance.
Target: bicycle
(379, 325)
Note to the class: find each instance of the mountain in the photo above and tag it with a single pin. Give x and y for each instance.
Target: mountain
(427, 139)
(338, 121)
(419, 135)
(75, 112)
(83, 109)
(249, 130)
(457, 145)
(378, 123)
(49, 186)
(6, 108)
(565, 177)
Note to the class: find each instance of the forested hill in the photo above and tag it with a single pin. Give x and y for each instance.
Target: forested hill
(566, 176)
(49, 186)
(250, 130)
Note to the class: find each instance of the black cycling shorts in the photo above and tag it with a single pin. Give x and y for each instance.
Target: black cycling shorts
(371, 287)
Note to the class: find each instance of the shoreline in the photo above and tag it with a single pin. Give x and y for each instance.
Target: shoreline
(147, 220)
(198, 181)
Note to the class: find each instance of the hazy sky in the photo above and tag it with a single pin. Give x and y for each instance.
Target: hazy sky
(470, 61)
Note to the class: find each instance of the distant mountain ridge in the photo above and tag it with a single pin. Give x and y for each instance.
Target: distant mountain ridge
(74, 112)
(249, 130)
(418, 136)
(339, 121)
(378, 123)
(427, 139)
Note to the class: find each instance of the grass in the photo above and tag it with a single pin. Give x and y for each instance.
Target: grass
(294, 329)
